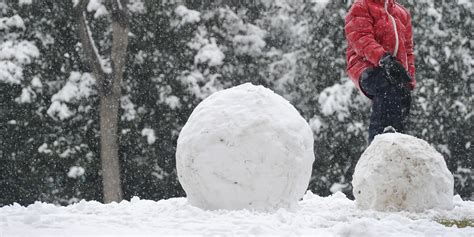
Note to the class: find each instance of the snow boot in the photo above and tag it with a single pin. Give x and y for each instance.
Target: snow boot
(389, 129)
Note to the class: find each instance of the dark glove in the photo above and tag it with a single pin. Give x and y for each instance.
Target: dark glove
(396, 74)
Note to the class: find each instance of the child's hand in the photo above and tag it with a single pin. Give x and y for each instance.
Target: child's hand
(396, 73)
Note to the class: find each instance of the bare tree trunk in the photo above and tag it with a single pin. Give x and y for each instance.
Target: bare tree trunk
(109, 103)
(109, 147)
(110, 85)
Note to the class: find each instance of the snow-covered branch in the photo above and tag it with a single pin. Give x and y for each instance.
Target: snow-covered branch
(120, 30)
(87, 40)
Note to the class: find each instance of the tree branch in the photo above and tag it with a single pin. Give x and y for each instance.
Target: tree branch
(120, 30)
(88, 45)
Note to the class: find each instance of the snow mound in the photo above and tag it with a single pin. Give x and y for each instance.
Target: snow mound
(401, 172)
(245, 147)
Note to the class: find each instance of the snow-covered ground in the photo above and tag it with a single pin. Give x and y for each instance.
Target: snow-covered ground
(317, 216)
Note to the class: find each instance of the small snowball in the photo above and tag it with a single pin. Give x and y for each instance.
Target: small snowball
(400, 172)
(245, 147)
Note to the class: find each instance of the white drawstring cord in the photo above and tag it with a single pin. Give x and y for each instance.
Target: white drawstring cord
(395, 51)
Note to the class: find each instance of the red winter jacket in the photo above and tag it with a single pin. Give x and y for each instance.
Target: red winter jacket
(370, 33)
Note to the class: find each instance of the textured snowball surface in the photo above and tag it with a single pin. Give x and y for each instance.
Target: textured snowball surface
(400, 172)
(245, 147)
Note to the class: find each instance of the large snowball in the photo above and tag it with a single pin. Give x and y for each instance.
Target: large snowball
(400, 172)
(245, 147)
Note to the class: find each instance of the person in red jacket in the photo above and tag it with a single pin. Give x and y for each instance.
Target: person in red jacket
(380, 60)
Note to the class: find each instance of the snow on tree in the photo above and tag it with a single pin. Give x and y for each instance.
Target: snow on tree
(15, 52)
(187, 16)
(79, 86)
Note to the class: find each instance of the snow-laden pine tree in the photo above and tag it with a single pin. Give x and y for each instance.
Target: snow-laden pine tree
(18, 90)
(444, 101)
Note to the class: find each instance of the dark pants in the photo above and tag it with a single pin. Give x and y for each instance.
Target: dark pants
(390, 103)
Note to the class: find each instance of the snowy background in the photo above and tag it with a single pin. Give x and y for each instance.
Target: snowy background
(180, 53)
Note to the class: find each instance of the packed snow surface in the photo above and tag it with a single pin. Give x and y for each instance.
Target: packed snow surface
(402, 172)
(316, 216)
(245, 147)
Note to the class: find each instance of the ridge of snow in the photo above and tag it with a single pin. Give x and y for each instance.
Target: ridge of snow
(317, 216)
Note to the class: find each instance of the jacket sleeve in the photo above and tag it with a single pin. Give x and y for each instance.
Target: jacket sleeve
(360, 33)
(409, 47)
